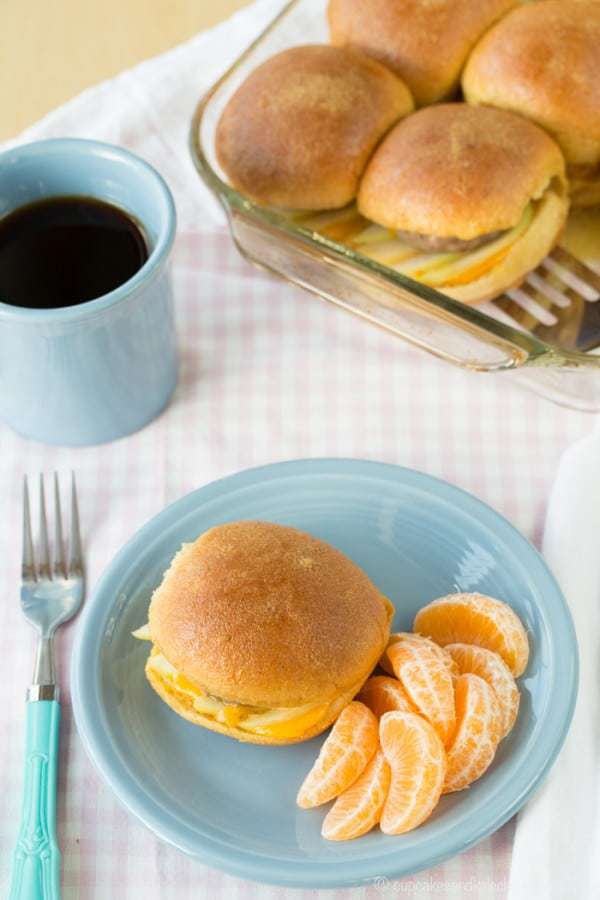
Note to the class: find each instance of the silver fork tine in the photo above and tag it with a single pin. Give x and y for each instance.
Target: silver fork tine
(538, 282)
(75, 557)
(60, 563)
(571, 263)
(28, 564)
(44, 561)
(568, 279)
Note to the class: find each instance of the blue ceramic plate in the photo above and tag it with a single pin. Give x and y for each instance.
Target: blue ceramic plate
(232, 805)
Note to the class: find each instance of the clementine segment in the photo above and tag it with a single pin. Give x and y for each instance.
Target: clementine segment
(351, 744)
(478, 731)
(492, 668)
(417, 762)
(383, 694)
(476, 619)
(359, 808)
(418, 640)
(427, 681)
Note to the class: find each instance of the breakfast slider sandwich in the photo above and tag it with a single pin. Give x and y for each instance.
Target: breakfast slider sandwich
(300, 129)
(263, 633)
(426, 42)
(543, 61)
(474, 197)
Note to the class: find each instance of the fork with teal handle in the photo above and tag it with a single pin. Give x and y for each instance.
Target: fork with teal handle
(51, 593)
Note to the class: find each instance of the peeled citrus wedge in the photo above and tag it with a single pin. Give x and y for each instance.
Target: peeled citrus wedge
(427, 681)
(492, 668)
(476, 619)
(478, 731)
(351, 744)
(418, 640)
(359, 808)
(417, 762)
(382, 694)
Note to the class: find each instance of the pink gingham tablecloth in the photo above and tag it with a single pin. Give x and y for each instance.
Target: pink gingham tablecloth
(267, 373)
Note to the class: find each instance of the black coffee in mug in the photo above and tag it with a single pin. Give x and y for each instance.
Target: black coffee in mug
(62, 251)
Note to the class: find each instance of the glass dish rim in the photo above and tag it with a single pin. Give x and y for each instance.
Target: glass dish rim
(522, 348)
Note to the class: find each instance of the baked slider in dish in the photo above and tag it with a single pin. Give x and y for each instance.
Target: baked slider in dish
(474, 197)
(543, 61)
(426, 43)
(263, 633)
(300, 129)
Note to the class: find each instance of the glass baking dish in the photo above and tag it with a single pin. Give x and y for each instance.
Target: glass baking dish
(546, 358)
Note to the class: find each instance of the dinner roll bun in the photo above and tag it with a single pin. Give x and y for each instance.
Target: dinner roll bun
(462, 177)
(266, 617)
(426, 42)
(300, 129)
(543, 61)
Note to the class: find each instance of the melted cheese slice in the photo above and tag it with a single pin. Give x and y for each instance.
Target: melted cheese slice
(466, 267)
(281, 724)
(440, 269)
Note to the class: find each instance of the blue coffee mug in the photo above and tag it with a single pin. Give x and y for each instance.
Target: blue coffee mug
(93, 372)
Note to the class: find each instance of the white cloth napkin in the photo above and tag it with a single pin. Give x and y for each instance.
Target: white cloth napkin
(556, 852)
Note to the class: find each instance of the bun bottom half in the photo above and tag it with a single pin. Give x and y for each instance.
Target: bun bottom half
(183, 705)
(524, 255)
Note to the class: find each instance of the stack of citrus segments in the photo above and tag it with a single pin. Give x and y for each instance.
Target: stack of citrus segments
(429, 727)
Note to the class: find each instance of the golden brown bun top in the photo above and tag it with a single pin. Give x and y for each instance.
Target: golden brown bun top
(425, 41)
(458, 170)
(543, 60)
(300, 129)
(266, 615)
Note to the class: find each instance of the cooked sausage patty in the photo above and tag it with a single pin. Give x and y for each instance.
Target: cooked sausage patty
(431, 244)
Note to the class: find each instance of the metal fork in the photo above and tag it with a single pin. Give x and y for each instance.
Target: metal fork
(51, 593)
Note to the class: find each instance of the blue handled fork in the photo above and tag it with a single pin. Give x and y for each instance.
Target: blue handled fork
(51, 593)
